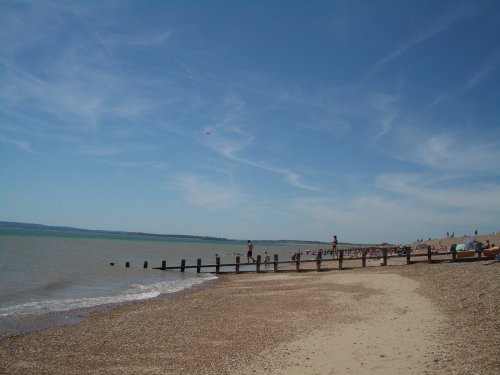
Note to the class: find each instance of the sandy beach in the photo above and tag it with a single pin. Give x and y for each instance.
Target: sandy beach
(443, 244)
(417, 319)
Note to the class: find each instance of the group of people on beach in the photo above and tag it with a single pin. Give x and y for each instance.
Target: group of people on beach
(267, 257)
(319, 253)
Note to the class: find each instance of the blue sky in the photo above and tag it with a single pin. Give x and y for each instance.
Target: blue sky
(373, 120)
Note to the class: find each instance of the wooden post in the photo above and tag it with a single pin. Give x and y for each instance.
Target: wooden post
(275, 262)
(408, 254)
(163, 263)
(341, 258)
(217, 265)
(127, 264)
(364, 258)
(146, 264)
(257, 266)
(238, 264)
(198, 265)
(183, 265)
(384, 261)
(297, 263)
(429, 254)
(318, 261)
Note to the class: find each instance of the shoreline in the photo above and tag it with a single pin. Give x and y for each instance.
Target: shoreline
(31, 323)
(285, 322)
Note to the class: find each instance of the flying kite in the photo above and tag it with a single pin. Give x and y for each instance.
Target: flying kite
(208, 132)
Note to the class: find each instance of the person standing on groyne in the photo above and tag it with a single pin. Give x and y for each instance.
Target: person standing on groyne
(334, 246)
(250, 252)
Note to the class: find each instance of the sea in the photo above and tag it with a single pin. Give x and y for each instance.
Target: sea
(53, 277)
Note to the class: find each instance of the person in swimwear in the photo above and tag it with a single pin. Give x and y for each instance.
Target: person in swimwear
(250, 252)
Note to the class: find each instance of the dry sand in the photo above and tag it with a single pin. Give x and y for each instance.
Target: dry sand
(379, 325)
(417, 319)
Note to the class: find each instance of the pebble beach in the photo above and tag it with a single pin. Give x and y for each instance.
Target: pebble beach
(418, 319)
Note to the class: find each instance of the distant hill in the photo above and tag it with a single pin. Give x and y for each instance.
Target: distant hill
(15, 225)
(10, 224)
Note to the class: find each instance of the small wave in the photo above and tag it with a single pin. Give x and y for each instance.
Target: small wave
(135, 293)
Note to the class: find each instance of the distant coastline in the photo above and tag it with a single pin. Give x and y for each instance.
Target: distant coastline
(17, 225)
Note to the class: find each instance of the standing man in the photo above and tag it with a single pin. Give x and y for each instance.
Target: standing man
(334, 246)
(250, 252)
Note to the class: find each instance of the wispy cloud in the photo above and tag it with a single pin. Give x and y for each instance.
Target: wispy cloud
(439, 25)
(230, 147)
(430, 192)
(79, 98)
(92, 30)
(22, 144)
(448, 152)
(78, 85)
(232, 140)
(291, 177)
(201, 191)
(73, 101)
(475, 79)
(488, 67)
(387, 113)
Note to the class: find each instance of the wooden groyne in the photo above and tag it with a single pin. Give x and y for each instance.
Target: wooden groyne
(384, 258)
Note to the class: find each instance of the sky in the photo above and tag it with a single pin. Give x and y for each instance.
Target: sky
(377, 121)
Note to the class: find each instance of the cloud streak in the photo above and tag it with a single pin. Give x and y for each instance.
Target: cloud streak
(445, 152)
(21, 144)
(439, 25)
(421, 189)
(476, 78)
(230, 148)
(203, 192)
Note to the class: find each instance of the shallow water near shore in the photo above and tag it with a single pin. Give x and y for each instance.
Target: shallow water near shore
(58, 276)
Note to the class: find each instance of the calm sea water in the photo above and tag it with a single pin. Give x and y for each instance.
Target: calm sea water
(43, 272)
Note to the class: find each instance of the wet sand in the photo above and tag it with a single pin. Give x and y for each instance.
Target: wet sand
(423, 318)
